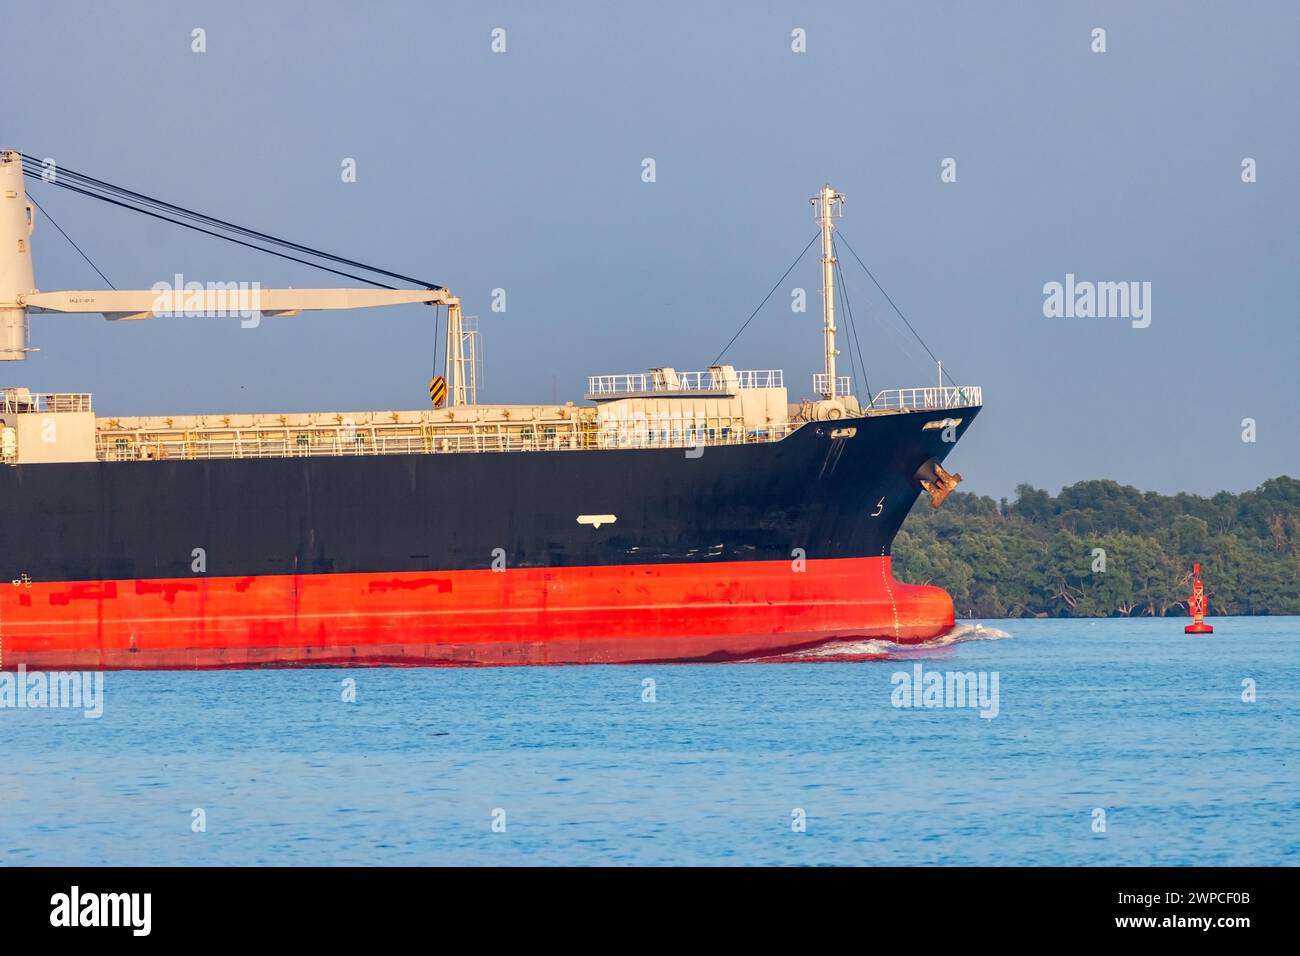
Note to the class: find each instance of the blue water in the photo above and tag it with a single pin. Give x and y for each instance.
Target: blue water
(1131, 717)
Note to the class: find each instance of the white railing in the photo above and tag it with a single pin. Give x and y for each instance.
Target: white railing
(761, 378)
(150, 448)
(908, 399)
(619, 384)
(667, 380)
(16, 400)
(689, 435)
(842, 386)
(122, 445)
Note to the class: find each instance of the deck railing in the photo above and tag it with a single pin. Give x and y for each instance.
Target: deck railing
(19, 400)
(711, 380)
(688, 434)
(842, 385)
(135, 445)
(916, 399)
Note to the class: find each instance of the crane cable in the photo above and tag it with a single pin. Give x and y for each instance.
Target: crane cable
(159, 209)
(853, 362)
(69, 238)
(745, 324)
(853, 328)
(945, 371)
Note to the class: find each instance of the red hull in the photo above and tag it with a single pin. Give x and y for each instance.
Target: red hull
(623, 614)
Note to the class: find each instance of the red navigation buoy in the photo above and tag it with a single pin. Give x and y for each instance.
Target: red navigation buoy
(1196, 605)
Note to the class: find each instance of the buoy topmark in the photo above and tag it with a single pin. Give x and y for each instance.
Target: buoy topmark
(1196, 605)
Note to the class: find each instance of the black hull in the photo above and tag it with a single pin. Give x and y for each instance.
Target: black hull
(832, 497)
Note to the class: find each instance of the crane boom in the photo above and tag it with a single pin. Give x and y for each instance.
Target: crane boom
(221, 298)
(19, 295)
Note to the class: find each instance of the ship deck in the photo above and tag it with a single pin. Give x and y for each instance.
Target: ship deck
(480, 428)
(462, 429)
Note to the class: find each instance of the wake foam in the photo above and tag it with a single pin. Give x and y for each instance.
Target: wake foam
(879, 650)
(969, 632)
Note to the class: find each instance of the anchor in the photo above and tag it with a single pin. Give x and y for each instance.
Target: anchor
(937, 482)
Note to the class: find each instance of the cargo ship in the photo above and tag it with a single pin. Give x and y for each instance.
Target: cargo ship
(668, 516)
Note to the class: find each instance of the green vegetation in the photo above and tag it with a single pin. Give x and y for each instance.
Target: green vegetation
(1035, 556)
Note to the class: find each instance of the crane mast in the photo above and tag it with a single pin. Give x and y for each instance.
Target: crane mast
(826, 202)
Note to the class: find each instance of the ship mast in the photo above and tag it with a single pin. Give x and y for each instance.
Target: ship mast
(826, 201)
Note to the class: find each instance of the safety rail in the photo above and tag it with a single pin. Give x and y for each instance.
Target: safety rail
(129, 445)
(689, 435)
(842, 386)
(20, 400)
(761, 378)
(669, 380)
(331, 442)
(915, 399)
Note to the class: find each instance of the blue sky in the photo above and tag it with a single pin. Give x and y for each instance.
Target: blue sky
(522, 170)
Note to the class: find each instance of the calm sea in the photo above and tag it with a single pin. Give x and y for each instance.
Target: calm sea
(1123, 723)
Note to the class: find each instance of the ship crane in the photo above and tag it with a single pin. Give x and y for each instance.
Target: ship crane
(19, 296)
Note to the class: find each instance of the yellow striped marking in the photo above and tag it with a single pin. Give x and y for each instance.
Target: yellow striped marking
(438, 391)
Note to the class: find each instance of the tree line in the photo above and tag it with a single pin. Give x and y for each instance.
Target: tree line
(1102, 549)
